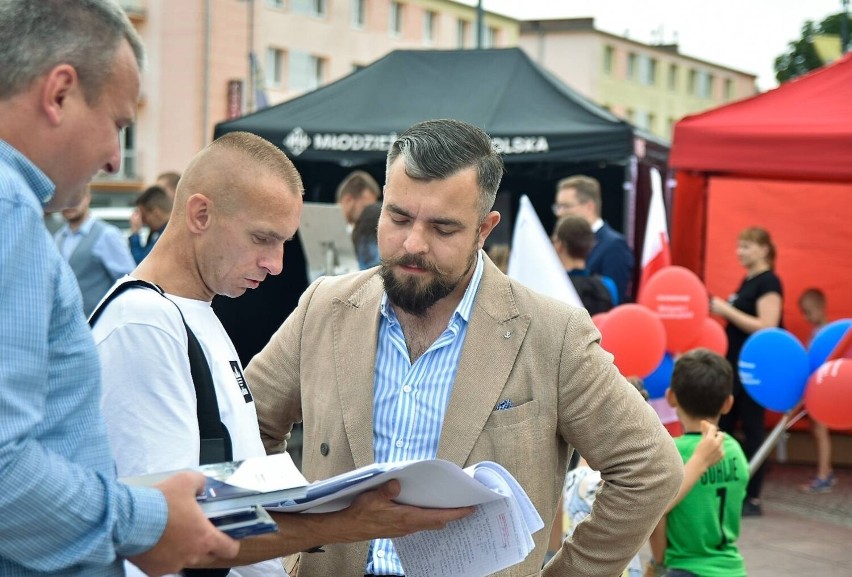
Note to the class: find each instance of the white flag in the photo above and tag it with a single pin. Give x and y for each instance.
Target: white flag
(655, 249)
(533, 261)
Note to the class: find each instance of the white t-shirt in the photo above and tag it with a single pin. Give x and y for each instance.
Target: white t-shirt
(149, 399)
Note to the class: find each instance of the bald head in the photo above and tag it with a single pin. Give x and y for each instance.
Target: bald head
(226, 170)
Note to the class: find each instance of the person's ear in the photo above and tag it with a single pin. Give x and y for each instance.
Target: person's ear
(56, 86)
(198, 213)
(671, 398)
(491, 220)
(728, 404)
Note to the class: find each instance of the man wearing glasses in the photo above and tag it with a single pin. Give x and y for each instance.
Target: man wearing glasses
(581, 195)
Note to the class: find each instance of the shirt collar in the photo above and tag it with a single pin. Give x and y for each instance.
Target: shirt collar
(464, 307)
(597, 225)
(37, 180)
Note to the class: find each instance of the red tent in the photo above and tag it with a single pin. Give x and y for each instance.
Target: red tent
(781, 160)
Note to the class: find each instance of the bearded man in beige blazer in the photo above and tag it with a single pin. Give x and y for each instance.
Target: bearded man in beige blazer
(437, 354)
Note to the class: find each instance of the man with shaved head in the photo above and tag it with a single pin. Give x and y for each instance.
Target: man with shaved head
(236, 204)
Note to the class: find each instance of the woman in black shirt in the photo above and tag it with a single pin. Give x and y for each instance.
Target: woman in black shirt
(756, 305)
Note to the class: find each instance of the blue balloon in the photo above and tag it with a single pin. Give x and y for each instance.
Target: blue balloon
(825, 340)
(774, 369)
(658, 381)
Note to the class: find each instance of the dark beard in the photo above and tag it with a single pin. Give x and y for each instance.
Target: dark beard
(412, 296)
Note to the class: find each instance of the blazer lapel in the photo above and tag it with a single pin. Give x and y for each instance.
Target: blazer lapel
(493, 339)
(355, 320)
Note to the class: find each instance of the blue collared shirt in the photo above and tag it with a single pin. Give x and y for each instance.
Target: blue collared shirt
(62, 510)
(411, 399)
(111, 248)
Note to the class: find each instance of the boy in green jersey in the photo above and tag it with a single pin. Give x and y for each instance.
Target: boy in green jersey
(697, 536)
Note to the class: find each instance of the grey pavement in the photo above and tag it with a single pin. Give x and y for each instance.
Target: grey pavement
(799, 534)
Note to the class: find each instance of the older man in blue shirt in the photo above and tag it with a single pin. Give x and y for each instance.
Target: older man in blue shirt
(69, 81)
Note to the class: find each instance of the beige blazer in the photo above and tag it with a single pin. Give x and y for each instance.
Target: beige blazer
(542, 355)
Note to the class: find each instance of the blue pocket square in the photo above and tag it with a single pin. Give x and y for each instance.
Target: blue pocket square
(503, 405)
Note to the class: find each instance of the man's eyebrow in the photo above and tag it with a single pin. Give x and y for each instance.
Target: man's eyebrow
(275, 235)
(439, 221)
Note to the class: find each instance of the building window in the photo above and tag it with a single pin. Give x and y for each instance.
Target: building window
(306, 71)
(672, 76)
(647, 70)
(275, 3)
(274, 66)
(701, 83)
(395, 22)
(462, 33)
(670, 127)
(489, 39)
(631, 66)
(729, 89)
(430, 19)
(608, 57)
(629, 114)
(641, 119)
(310, 7)
(359, 13)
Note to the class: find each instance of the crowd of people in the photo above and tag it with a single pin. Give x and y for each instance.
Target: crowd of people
(109, 343)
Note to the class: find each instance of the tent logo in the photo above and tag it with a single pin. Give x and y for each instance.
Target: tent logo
(521, 144)
(297, 141)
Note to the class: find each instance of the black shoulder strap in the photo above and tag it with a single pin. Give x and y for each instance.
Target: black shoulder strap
(215, 440)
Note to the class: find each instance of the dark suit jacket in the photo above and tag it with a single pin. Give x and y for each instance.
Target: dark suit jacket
(541, 354)
(613, 258)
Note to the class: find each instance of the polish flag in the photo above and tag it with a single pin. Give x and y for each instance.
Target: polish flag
(533, 260)
(655, 250)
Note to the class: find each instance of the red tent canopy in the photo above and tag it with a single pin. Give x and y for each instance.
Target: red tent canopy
(800, 130)
(781, 160)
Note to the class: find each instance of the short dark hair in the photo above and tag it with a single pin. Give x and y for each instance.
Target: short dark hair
(355, 184)
(702, 381)
(366, 225)
(575, 233)
(588, 189)
(155, 197)
(438, 149)
(813, 294)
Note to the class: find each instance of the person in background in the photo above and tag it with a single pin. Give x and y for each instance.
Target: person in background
(357, 191)
(611, 256)
(573, 239)
(364, 236)
(69, 83)
(812, 306)
(756, 305)
(168, 181)
(153, 209)
(499, 253)
(698, 534)
(240, 200)
(437, 354)
(96, 250)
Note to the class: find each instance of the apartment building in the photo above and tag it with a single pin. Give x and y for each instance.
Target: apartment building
(651, 86)
(210, 60)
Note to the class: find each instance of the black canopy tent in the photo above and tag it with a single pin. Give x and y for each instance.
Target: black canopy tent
(545, 129)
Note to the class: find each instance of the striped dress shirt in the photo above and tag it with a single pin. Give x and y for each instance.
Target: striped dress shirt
(411, 399)
(62, 511)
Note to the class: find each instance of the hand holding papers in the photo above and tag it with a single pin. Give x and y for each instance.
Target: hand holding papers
(496, 536)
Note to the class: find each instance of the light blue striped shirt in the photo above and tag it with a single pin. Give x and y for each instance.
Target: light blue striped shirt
(62, 512)
(411, 400)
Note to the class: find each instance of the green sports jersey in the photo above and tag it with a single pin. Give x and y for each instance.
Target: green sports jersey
(703, 528)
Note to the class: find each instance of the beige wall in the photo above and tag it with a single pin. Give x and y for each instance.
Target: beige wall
(576, 56)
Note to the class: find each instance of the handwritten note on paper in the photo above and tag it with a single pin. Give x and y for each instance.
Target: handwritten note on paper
(485, 542)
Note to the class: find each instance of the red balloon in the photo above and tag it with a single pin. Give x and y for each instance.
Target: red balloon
(828, 396)
(680, 299)
(636, 338)
(712, 337)
(599, 320)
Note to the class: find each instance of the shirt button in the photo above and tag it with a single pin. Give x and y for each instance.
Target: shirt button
(324, 449)
(406, 388)
(380, 553)
(399, 443)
